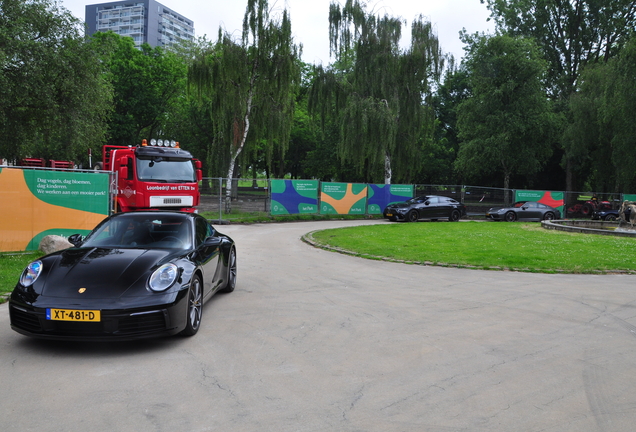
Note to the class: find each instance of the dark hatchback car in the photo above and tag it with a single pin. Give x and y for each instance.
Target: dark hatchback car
(431, 207)
(136, 275)
(523, 210)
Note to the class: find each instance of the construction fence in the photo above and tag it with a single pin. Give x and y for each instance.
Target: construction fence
(274, 197)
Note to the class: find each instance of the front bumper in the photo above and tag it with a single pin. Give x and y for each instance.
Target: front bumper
(495, 216)
(119, 324)
(394, 214)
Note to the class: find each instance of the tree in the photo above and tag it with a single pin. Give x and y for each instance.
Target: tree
(54, 95)
(619, 109)
(378, 93)
(146, 81)
(250, 84)
(442, 151)
(571, 34)
(507, 124)
(602, 124)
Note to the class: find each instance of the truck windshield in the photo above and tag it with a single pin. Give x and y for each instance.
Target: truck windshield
(165, 170)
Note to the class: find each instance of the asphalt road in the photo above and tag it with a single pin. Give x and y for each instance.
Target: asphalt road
(317, 341)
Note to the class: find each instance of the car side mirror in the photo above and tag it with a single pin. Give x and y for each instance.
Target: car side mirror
(75, 240)
(212, 241)
(427, 202)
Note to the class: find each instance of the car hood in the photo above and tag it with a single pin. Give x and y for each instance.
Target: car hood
(103, 272)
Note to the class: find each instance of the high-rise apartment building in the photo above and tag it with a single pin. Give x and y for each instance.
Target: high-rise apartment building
(143, 20)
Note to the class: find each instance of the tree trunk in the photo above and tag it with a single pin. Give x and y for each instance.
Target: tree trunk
(234, 154)
(507, 194)
(388, 174)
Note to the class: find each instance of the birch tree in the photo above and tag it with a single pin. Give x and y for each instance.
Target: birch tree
(249, 84)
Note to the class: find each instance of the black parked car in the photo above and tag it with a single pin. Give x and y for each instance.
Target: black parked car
(524, 210)
(426, 207)
(136, 275)
(607, 214)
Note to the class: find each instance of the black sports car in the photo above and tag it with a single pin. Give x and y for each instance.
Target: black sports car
(524, 210)
(425, 207)
(136, 275)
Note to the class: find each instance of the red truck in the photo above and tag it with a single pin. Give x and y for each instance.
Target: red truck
(156, 176)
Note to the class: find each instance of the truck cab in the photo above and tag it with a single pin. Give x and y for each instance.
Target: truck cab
(153, 177)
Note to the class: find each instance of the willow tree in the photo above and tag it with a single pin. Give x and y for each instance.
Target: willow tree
(377, 92)
(249, 85)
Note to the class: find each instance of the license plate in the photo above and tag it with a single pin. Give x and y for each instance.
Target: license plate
(73, 315)
(389, 214)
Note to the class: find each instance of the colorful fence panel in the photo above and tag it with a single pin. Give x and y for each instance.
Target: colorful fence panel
(41, 202)
(552, 199)
(381, 195)
(343, 198)
(294, 197)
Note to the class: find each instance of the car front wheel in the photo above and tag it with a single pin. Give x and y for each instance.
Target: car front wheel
(610, 218)
(194, 307)
(454, 216)
(412, 216)
(511, 217)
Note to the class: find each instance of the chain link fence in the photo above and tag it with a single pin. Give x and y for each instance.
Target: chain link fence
(249, 198)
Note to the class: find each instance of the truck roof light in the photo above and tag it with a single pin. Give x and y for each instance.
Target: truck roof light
(144, 143)
(153, 142)
(173, 143)
(160, 142)
(177, 144)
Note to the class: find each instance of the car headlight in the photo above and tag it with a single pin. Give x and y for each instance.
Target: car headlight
(31, 273)
(163, 278)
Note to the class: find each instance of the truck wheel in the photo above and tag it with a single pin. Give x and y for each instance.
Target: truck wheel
(98, 166)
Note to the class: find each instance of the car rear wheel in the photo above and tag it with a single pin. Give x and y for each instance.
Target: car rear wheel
(195, 307)
(610, 217)
(454, 216)
(548, 216)
(231, 273)
(511, 217)
(412, 216)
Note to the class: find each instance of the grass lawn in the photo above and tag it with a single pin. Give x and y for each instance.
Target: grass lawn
(488, 245)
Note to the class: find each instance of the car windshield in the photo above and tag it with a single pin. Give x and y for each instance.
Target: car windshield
(165, 170)
(142, 231)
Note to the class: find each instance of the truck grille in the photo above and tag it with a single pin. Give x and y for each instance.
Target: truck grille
(172, 200)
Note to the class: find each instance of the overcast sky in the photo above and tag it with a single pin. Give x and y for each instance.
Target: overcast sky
(310, 19)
